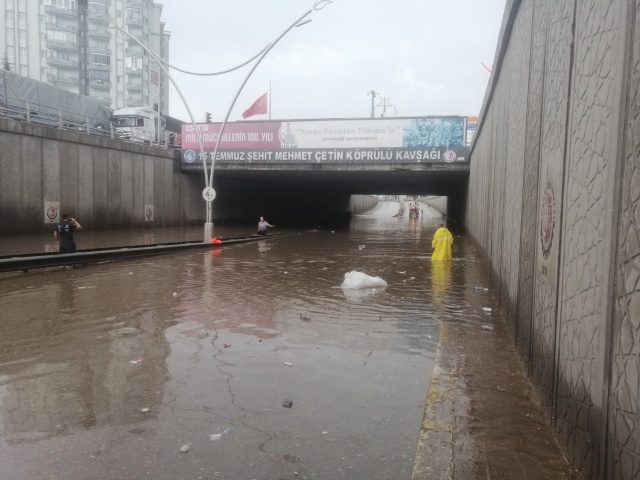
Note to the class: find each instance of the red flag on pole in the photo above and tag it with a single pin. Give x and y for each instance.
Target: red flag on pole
(259, 107)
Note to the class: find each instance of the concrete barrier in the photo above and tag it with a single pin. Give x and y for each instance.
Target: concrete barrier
(104, 183)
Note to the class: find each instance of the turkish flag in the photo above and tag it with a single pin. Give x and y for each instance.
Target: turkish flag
(259, 107)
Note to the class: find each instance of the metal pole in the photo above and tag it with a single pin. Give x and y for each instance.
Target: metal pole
(317, 5)
(373, 95)
(269, 102)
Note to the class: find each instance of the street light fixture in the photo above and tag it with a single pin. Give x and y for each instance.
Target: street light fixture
(208, 192)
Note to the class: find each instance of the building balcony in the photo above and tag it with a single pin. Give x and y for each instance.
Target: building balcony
(100, 66)
(134, 71)
(134, 52)
(63, 27)
(134, 87)
(134, 4)
(59, 62)
(99, 49)
(101, 84)
(60, 11)
(134, 20)
(62, 45)
(132, 41)
(99, 18)
(103, 34)
(62, 80)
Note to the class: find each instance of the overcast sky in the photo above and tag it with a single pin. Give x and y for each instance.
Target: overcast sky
(423, 56)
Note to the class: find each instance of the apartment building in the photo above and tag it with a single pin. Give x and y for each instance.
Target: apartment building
(74, 44)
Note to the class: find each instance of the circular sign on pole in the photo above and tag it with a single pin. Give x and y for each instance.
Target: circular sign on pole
(209, 194)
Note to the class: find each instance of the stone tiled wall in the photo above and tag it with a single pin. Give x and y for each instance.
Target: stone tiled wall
(588, 239)
(523, 327)
(550, 187)
(624, 393)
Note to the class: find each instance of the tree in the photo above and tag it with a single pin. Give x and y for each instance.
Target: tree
(5, 63)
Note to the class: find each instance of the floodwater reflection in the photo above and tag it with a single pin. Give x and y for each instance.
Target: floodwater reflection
(153, 353)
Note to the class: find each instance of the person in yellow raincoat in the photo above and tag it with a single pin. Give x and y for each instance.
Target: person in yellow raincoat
(442, 242)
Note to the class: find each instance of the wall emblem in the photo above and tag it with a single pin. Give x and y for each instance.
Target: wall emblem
(190, 156)
(52, 213)
(547, 221)
(148, 213)
(449, 156)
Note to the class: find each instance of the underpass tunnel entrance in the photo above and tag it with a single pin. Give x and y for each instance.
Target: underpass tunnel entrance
(432, 208)
(321, 197)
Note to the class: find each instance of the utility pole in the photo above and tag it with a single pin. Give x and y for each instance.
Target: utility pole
(373, 96)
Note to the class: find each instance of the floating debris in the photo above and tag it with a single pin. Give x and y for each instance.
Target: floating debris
(487, 327)
(287, 403)
(185, 448)
(288, 364)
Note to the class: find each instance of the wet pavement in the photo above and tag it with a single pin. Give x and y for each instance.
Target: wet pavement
(178, 366)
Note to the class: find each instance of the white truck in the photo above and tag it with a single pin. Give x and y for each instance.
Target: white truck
(141, 125)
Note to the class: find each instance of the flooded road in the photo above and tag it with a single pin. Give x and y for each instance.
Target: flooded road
(107, 371)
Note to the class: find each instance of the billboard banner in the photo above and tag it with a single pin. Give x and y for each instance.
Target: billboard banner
(432, 139)
(343, 155)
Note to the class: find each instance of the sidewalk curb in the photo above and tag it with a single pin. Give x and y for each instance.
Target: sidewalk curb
(434, 454)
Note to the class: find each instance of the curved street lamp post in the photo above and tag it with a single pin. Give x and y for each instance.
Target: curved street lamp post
(208, 192)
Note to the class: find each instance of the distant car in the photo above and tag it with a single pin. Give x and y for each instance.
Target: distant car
(102, 129)
(10, 112)
(43, 119)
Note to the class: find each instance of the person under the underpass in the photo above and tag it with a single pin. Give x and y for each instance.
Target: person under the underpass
(263, 225)
(442, 243)
(64, 233)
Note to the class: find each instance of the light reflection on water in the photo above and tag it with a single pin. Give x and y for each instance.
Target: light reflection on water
(99, 342)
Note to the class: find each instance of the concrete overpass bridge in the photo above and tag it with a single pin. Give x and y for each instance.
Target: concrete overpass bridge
(296, 190)
(113, 184)
(302, 167)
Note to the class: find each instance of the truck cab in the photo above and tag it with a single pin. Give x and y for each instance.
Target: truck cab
(139, 124)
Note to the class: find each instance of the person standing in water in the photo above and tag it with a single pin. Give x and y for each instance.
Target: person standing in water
(262, 226)
(64, 233)
(442, 243)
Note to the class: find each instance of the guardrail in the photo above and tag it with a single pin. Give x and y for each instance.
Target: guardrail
(50, 117)
(45, 260)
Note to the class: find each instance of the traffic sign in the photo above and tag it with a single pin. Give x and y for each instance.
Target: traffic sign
(209, 194)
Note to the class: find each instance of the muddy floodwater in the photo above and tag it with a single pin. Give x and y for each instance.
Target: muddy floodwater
(179, 366)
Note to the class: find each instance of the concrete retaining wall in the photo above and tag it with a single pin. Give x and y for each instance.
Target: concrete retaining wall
(553, 205)
(360, 203)
(104, 183)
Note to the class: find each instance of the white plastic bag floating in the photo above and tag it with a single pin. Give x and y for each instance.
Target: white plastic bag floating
(361, 280)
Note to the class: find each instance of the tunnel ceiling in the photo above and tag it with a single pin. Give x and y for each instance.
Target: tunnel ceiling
(427, 181)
